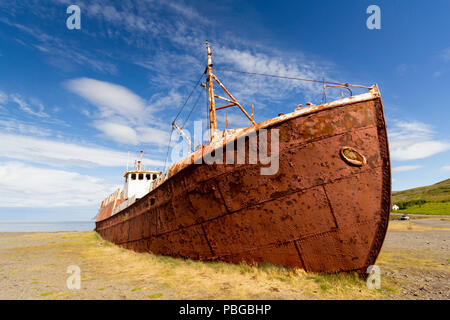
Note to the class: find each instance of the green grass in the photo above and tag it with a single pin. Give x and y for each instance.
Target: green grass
(155, 295)
(431, 208)
(46, 294)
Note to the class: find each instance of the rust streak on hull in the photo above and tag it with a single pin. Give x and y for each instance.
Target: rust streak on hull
(318, 212)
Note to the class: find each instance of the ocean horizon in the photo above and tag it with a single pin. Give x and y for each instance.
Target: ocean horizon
(45, 226)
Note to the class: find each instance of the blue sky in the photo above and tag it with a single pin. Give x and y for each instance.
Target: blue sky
(74, 102)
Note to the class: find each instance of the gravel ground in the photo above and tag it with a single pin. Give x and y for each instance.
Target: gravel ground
(420, 259)
(415, 257)
(34, 266)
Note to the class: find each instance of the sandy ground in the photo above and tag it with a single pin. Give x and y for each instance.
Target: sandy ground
(414, 264)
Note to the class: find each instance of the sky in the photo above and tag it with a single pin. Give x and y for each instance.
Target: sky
(74, 102)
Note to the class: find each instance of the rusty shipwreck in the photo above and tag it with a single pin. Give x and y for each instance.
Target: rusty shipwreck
(326, 209)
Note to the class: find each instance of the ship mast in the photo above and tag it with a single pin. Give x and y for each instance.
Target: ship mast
(212, 105)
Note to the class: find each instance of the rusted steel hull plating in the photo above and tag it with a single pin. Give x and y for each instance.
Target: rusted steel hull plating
(320, 211)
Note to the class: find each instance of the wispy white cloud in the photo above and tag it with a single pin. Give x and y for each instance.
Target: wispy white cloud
(414, 140)
(169, 37)
(161, 102)
(25, 106)
(23, 185)
(404, 68)
(235, 120)
(269, 62)
(59, 51)
(153, 135)
(117, 132)
(445, 54)
(31, 106)
(32, 119)
(123, 115)
(124, 16)
(187, 12)
(126, 134)
(53, 152)
(85, 112)
(111, 99)
(18, 126)
(446, 168)
(3, 97)
(405, 168)
(437, 73)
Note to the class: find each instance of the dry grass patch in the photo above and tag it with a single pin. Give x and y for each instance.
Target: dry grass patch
(188, 279)
(109, 271)
(420, 259)
(409, 225)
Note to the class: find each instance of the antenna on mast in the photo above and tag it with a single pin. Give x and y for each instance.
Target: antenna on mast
(212, 105)
(128, 159)
(140, 161)
(226, 122)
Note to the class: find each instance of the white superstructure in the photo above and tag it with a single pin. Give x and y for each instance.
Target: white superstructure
(138, 183)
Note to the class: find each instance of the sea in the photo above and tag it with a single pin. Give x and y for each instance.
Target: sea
(45, 226)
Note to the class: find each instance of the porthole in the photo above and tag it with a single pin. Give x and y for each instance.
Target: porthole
(352, 156)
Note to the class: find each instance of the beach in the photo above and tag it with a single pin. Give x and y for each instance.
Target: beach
(414, 263)
(45, 226)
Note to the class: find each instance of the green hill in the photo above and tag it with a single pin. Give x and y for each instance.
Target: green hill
(433, 199)
(437, 191)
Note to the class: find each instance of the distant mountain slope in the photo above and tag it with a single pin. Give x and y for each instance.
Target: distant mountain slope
(434, 192)
(434, 199)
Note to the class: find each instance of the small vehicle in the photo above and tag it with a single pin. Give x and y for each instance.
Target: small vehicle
(404, 217)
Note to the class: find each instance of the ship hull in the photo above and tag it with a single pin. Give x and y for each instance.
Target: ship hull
(318, 212)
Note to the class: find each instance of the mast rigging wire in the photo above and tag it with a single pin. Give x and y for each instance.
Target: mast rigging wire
(178, 114)
(190, 94)
(192, 109)
(323, 82)
(294, 78)
(168, 148)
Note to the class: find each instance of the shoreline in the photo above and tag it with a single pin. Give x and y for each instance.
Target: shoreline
(45, 226)
(393, 216)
